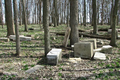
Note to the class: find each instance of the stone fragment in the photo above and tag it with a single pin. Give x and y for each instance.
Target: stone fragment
(74, 60)
(100, 56)
(4, 39)
(54, 56)
(33, 69)
(83, 49)
(107, 49)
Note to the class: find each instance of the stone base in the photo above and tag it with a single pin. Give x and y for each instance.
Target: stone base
(54, 56)
(83, 49)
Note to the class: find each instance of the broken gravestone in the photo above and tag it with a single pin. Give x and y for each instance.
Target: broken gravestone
(66, 38)
(54, 56)
(99, 56)
(83, 49)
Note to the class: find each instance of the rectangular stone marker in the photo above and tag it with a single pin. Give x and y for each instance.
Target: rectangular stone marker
(99, 56)
(107, 49)
(83, 50)
(4, 39)
(54, 56)
(66, 38)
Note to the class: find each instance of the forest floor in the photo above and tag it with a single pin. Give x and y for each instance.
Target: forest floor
(32, 54)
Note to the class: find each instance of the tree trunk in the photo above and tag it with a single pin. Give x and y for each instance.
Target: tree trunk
(40, 13)
(20, 12)
(46, 25)
(9, 18)
(16, 28)
(55, 13)
(102, 13)
(84, 19)
(1, 14)
(24, 15)
(95, 30)
(74, 38)
(113, 38)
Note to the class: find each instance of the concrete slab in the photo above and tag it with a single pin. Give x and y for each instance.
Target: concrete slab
(83, 49)
(100, 56)
(22, 38)
(54, 56)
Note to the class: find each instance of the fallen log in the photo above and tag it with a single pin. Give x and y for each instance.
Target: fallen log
(89, 35)
(95, 36)
(103, 29)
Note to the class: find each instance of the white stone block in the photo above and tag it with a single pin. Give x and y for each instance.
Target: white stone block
(83, 49)
(93, 41)
(54, 56)
(107, 49)
(100, 56)
(22, 38)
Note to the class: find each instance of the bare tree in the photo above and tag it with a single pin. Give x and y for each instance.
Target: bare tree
(115, 9)
(84, 19)
(16, 28)
(9, 18)
(46, 25)
(95, 30)
(1, 14)
(74, 21)
(24, 15)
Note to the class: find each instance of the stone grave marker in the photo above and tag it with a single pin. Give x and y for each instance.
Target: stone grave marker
(22, 38)
(54, 56)
(83, 49)
(66, 38)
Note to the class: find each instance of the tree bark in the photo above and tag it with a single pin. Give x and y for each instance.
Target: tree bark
(113, 38)
(16, 28)
(95, 30)
(20, 12)
(84, 19)
(55, 13)
(46, 25)
(1, 14)
(74, 38)
(9, 18)
(24, 15)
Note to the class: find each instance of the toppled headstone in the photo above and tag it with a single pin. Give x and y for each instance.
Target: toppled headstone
(107, 49)
(66, 38)
(83, 49)
(93, 41)
(100, 56)
(33, 69)
(4, 39)
(22, 38)
(54, 56)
